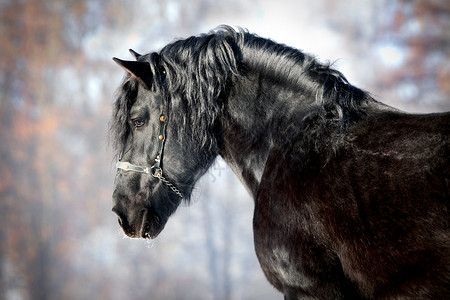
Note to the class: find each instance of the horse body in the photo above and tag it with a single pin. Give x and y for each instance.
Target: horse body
(324, 213)
(351, 195)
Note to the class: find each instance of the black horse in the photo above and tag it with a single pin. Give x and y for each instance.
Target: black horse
(351, 195)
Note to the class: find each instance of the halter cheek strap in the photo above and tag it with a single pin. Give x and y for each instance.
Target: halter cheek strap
(155, 170)
(161, 139)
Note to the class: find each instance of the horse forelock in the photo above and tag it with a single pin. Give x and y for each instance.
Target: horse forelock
(118, 125)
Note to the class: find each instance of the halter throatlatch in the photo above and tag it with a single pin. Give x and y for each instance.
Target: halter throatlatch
(155, 170)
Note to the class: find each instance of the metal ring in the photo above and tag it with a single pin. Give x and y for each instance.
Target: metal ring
(157, 172)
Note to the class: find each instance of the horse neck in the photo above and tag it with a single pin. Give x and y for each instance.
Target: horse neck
(282, 90)
(256, 111)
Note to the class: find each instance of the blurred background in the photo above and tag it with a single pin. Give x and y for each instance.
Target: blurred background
(58, 236)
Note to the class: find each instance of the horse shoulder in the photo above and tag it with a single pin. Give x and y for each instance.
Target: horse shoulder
(291, 239)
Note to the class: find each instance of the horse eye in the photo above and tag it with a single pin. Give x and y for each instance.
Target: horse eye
(138, 123)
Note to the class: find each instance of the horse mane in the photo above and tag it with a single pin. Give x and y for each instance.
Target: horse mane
(285, 65)
(199, 69)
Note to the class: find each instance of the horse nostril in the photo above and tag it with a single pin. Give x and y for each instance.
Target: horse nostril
(115, 209)
(121, 218)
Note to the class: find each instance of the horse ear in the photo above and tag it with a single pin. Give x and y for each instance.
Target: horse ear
(135, 54)
(138, 70)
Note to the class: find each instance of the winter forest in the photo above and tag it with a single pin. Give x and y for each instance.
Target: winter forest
(58, 236)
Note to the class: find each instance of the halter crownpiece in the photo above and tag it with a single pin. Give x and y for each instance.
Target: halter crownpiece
(155, 170)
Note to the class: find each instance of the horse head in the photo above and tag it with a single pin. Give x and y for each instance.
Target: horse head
(158, 165)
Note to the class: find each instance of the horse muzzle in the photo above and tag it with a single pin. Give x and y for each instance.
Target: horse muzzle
(142, 224)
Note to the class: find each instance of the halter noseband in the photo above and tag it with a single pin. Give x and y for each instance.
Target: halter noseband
(155, 170)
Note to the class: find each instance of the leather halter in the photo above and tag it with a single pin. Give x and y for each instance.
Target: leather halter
(155, 170)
